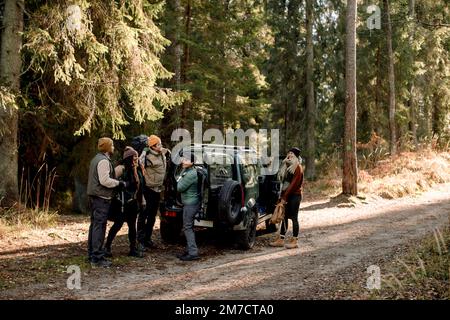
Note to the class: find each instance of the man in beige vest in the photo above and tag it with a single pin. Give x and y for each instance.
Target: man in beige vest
(155, 173)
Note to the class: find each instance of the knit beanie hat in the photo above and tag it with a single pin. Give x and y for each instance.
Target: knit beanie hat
(152, 140)
(295, 151)
(129, 152)
(104, 144)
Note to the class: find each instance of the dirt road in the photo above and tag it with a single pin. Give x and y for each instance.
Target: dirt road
(335, 243)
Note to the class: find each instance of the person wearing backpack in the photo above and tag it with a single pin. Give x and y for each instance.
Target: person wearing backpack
(131, 172)
(154, 174)
(187, 185)
(291, 177)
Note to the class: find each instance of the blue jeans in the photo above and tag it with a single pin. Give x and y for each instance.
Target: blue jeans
(189, 211)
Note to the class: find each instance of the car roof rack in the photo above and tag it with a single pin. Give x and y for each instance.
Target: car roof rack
(222, 146)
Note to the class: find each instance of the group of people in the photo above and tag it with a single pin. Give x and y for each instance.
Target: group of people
(140, 179)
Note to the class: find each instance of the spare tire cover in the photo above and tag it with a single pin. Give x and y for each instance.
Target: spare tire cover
(230, 202)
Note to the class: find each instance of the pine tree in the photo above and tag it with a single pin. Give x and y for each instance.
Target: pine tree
(10, 68)
(310, 101)
(350, 174)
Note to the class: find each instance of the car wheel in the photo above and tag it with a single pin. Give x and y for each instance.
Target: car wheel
(170, 231)
(246, 239)
(230, 202)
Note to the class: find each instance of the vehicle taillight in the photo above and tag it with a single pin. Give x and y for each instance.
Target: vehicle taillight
(170, 214)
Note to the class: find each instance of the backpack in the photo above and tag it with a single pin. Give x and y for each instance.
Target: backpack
(139, 143)
(202, 184)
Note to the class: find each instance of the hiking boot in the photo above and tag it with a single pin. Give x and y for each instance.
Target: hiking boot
(149, 244)
(140, 247)
(103, 263)
(292, 243)
(136, 253)
(188, 257)
(179, 255)
(278, 242)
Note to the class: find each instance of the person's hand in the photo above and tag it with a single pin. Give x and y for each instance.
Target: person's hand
(282, 201)
(123, 185)
(165, 151)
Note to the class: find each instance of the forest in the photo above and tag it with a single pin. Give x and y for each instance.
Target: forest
(131, 67)
(355, 85)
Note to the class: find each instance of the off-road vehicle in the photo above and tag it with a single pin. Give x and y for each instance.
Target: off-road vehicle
(234, 195)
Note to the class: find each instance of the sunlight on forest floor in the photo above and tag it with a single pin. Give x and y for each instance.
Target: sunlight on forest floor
(35, 247)
(408, 173)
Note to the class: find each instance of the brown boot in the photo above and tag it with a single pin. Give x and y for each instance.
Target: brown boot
(292, 243)
(278, 242)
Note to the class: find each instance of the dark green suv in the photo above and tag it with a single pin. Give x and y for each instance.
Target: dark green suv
(234, 195)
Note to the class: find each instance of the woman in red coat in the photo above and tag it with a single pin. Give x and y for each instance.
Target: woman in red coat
(291, 177)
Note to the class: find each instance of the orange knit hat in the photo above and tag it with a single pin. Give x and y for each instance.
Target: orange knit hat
(152, 140)
(105, 144)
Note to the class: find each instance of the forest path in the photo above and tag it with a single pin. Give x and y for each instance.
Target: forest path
(334, 243)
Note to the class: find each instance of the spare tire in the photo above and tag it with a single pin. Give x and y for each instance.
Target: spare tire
(230, 202)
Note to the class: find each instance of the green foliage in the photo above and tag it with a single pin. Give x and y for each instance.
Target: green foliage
(87, 70)
(239, 64)
(285, 68)
(221, 43)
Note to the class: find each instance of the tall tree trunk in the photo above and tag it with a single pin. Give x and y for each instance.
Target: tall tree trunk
(310, 104)
(10, 67)
(186, 58)
(411, 102)
(392, 128)
(350, 170)
(436, 114)
(378, 88)
(177, 46)
(286, 110)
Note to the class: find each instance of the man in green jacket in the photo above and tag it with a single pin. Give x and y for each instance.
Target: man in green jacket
(187, 186)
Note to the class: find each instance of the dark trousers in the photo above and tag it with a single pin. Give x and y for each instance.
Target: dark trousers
(99, 217)
(147, 217)
(189, 212)
(292, 207)
(130, 215)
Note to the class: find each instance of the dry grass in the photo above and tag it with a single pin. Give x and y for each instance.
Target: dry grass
(19, 219)
(406, 174)
(422, 274)
(4, 229)
(33, 208)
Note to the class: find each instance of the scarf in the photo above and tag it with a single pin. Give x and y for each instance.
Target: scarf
(288, 166)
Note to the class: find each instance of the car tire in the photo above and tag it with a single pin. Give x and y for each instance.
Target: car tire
(230, 203)
(246, 239)
(170, 231)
